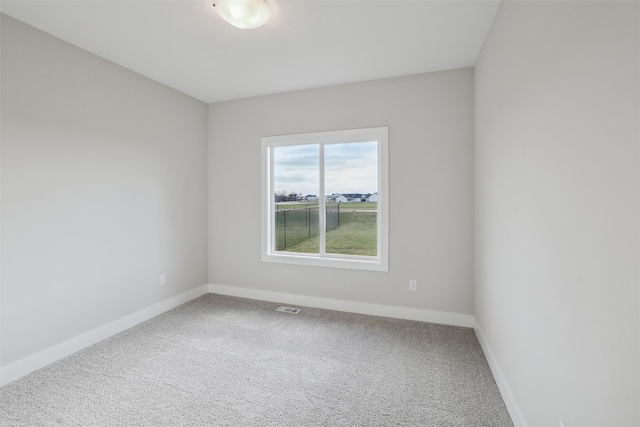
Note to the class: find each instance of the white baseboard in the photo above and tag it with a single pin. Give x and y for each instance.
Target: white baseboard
(431, 316)
(505, 391)
(38, 360)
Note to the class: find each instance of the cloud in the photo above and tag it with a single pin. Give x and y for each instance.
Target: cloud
(349, 168)
(296, 169)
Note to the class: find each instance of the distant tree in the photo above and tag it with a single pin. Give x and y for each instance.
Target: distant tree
(281, 196)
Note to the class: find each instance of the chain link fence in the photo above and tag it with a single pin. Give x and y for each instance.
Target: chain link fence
(294, 226)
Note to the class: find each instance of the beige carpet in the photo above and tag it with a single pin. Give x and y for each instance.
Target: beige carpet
(224, 361)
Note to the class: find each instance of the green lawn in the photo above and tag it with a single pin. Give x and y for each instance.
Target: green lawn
(359, 206)
(355, 236)
(296, 205)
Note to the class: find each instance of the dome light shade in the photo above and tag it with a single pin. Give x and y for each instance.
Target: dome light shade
(245, 14)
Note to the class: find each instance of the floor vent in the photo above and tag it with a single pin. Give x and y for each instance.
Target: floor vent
(288, 310)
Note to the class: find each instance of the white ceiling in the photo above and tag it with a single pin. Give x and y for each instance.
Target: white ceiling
(308, 43)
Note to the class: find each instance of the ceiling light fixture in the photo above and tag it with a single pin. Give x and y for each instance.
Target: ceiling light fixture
(245, 14)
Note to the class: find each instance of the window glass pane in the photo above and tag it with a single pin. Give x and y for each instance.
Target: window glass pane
(351, 178)
(296, 184)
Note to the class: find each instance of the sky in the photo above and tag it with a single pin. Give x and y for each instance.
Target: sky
(349, 168)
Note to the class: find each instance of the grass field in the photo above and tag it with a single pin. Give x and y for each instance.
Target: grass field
(295, 205)
(357, 234)
(358, 206)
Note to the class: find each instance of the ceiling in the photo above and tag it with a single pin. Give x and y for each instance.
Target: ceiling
(308, 43)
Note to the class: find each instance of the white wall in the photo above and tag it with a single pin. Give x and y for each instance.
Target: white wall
(557, 202)
(103, 190)
(430, 119)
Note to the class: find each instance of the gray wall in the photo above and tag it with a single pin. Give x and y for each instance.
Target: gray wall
(557, 202)
(430, 119)
(103, 190)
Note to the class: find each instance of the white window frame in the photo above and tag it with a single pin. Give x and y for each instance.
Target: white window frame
(380, 262)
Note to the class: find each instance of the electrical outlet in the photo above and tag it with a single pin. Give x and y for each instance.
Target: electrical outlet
(163, 279)
(413, 285)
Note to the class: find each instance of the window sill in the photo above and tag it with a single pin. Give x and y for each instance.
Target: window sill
(356, 263)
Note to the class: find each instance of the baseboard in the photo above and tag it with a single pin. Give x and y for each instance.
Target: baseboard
(38, 360)
(505, 391)
(431, 316)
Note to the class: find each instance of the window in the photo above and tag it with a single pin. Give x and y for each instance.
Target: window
(325, 199)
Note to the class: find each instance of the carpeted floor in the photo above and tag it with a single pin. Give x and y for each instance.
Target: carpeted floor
(224, 361)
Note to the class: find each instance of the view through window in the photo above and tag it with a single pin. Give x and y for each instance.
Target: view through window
(323, 197)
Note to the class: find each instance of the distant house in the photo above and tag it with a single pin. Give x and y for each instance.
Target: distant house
(352, 197)
(373, 197)
(311, 197)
